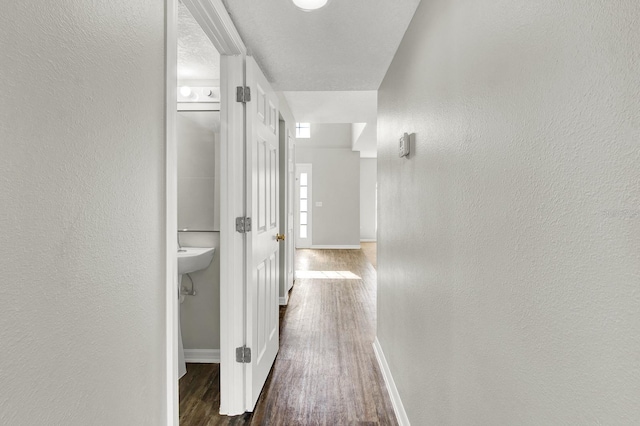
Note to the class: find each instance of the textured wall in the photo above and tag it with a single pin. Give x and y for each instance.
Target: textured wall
(509, 244)
(82, 190)
(368, 181)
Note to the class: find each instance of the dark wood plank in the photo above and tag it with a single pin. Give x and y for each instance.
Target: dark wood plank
(325, 372)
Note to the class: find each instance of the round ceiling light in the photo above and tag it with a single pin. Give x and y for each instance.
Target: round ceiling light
(185, 91)
(309, 5)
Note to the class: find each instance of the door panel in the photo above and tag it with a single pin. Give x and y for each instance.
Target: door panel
(262, 246)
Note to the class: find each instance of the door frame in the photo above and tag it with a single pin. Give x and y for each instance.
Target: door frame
(218, 26)
(290, 185)
(171, 213)
(287, 193)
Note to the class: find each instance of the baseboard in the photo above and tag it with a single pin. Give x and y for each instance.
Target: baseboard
(398, 408)
(284, 300)
(202, 356)
(368, 240)
(346, 247)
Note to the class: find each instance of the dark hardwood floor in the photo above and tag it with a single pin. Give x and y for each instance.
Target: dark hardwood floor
(326, 372)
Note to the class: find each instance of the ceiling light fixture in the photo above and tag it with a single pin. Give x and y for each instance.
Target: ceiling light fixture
(185, 91)
(309, 5)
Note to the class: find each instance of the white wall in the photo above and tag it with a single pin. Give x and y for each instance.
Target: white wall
(508, 245)
(198, 140)
(336, 183)
(368, 181)
(200, 314)
(82, 213)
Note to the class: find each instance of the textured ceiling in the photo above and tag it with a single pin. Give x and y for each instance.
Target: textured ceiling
(197, 58)
(347, 45)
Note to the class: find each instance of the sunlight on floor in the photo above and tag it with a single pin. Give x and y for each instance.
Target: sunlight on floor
(327, 275)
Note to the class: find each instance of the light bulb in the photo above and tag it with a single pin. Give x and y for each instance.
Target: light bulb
(308, 5)
(185, 91)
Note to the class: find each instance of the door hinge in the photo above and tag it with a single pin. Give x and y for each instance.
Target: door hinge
(243, 224)
(243, 355)
(243, 94)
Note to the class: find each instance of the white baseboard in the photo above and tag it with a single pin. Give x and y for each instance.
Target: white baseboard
(398, 408)
(368, 240)
(346, 247)
(202, 356)
(284, 300)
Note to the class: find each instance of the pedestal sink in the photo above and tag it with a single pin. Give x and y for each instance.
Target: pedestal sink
(190, 259)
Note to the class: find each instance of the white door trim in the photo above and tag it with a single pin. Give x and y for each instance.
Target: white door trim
(216, 23)
(290, 212)
(171, 214)
(232, 243)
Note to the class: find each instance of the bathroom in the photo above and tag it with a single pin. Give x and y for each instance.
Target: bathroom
(198, 180)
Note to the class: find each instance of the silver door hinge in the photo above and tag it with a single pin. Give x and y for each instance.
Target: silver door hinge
(243, 224)
(243, 94)
(243, 355)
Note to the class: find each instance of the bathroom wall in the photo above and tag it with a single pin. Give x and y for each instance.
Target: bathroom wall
(82, 213)
(198, 136)
(199, 210)
(509, 241)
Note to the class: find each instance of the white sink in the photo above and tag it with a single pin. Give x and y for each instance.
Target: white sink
(191, 259)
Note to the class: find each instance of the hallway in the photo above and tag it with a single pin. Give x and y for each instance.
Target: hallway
(326, 372)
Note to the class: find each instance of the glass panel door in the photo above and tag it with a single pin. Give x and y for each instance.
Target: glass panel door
(304, 213)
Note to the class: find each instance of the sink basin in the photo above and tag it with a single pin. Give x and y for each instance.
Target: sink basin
(191, 259)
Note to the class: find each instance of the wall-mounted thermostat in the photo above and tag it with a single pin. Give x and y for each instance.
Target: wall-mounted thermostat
(405, 145)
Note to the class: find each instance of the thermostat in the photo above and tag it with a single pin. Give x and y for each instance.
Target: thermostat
(405, 144)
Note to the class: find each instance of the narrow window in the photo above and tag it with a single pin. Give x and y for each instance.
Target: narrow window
(303, 205)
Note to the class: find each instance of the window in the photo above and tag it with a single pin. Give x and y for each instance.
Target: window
(304, 207)
(303, 130)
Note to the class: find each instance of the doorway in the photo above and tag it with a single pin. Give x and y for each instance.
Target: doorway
(212, 19)
(248, 252)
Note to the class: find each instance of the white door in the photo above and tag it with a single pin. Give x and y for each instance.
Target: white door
(290, 241)
(304, 211)
(262, 301)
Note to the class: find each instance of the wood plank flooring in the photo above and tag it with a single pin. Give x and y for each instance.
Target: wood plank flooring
(370, 251)
(325, 372)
